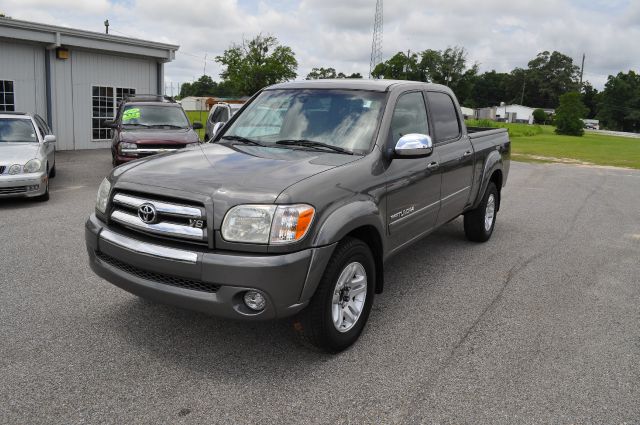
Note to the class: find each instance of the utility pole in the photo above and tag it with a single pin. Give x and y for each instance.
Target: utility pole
(524, 82)
(581, 72)
(406, 69)
(106, 26)
(376, 43)
(204, 71)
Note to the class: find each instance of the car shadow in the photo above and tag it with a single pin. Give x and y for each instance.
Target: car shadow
(212, 346)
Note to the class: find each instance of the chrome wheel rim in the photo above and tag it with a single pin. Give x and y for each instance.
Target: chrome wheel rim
(349, 296)
(489, 212)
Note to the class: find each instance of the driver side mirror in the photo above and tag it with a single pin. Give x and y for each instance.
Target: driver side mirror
(197, 125)
(49, 138)
(414, 146)
(109, 124)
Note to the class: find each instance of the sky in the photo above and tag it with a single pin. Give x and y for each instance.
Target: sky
(497, 34)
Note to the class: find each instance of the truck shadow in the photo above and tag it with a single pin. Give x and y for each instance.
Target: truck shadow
(212, 346)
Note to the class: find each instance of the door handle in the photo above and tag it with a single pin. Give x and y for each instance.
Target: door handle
(466, 154)
(433, 166)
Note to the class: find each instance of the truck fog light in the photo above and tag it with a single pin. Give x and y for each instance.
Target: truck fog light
(255, 300)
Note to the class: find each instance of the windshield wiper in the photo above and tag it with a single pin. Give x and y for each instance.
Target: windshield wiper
(243, 140)
(138, 125)
(312, 144)
(166, 125)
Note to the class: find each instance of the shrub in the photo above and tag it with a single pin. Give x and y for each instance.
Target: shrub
(539, 116)
(569, 114)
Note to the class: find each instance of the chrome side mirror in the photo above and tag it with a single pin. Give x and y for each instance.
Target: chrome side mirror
(216, 129)
(49, 138)
(414, 146)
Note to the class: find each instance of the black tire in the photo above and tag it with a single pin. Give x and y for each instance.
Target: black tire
(314, 325)
(52, 171)
(474, 220)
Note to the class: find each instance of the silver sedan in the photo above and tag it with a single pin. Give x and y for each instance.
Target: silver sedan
(27, 156)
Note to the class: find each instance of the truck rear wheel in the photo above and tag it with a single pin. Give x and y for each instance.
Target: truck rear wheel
(339, 309)
(479, 223)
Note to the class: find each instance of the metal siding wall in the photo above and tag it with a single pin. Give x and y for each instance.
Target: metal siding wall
(95, 69)
(24, 64)
(62, 103)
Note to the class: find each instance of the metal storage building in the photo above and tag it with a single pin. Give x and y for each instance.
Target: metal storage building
(74, 78)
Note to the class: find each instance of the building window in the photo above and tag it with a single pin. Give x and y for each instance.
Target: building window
(7, 98)
(104, 103)
(122, 93)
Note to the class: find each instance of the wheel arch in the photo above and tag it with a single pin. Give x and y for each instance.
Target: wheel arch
(361, 220)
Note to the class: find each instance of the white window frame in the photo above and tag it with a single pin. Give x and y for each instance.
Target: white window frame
(114, 108)
(3, 105)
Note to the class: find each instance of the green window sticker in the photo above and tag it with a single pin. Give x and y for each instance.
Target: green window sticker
(131, 114)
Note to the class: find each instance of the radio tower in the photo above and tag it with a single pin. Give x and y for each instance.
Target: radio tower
(376, 44)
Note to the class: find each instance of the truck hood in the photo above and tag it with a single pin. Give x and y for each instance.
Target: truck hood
(18, 153)
(159, 136)
(230, 175)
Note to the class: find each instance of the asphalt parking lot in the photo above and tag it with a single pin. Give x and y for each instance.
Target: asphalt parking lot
(539, 325)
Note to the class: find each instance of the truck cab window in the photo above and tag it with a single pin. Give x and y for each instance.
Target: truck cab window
(409, 116)
(445, 118)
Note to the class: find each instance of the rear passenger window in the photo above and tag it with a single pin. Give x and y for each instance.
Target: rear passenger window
(444, 116)
(410, 116)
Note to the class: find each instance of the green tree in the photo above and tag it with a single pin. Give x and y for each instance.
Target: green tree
(489, 89)
(205, 86)
(569, 114)
(327, 73)
(619, 107)
(321, 74)
(257, 63)
(398, 67)
(448, 67)
(549, 76)
(539, 116)
(590, 98)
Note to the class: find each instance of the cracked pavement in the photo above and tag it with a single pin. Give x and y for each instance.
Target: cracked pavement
(539, 325)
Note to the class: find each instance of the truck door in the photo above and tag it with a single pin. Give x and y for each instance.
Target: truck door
(413, 188)
(455, 154)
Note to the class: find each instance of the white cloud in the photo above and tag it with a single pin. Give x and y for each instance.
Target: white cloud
(497, 34)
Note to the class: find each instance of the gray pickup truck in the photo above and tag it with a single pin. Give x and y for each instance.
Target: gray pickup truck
(297, 203)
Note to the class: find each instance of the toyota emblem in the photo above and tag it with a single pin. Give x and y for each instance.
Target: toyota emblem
(147, 213)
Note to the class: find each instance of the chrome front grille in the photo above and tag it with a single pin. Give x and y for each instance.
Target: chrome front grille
(160, 218)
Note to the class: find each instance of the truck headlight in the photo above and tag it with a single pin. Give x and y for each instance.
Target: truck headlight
(103, 196)
(32, 166)
(125, 145)
(263, 224)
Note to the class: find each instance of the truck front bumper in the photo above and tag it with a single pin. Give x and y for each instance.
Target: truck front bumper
(206, 281)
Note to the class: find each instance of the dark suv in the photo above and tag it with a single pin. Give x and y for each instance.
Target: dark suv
(149, 124)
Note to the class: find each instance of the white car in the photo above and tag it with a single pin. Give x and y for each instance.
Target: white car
(27, 156)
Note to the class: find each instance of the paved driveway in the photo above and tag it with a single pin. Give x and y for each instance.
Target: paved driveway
(541, 324)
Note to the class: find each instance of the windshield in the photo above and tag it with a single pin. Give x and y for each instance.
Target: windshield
(154, 116)
(345, 119)
(16, 130)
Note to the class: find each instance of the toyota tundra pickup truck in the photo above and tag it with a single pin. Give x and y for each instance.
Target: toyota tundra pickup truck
(297, 203)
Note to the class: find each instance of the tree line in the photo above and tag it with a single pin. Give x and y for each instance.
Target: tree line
(253, 64)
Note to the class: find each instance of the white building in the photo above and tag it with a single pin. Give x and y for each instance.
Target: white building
(195, 103)
(467, 113)
(73, 78)
(514, 113)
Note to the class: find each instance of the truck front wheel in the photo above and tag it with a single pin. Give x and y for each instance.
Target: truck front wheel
(479, 223)
(338, 311)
